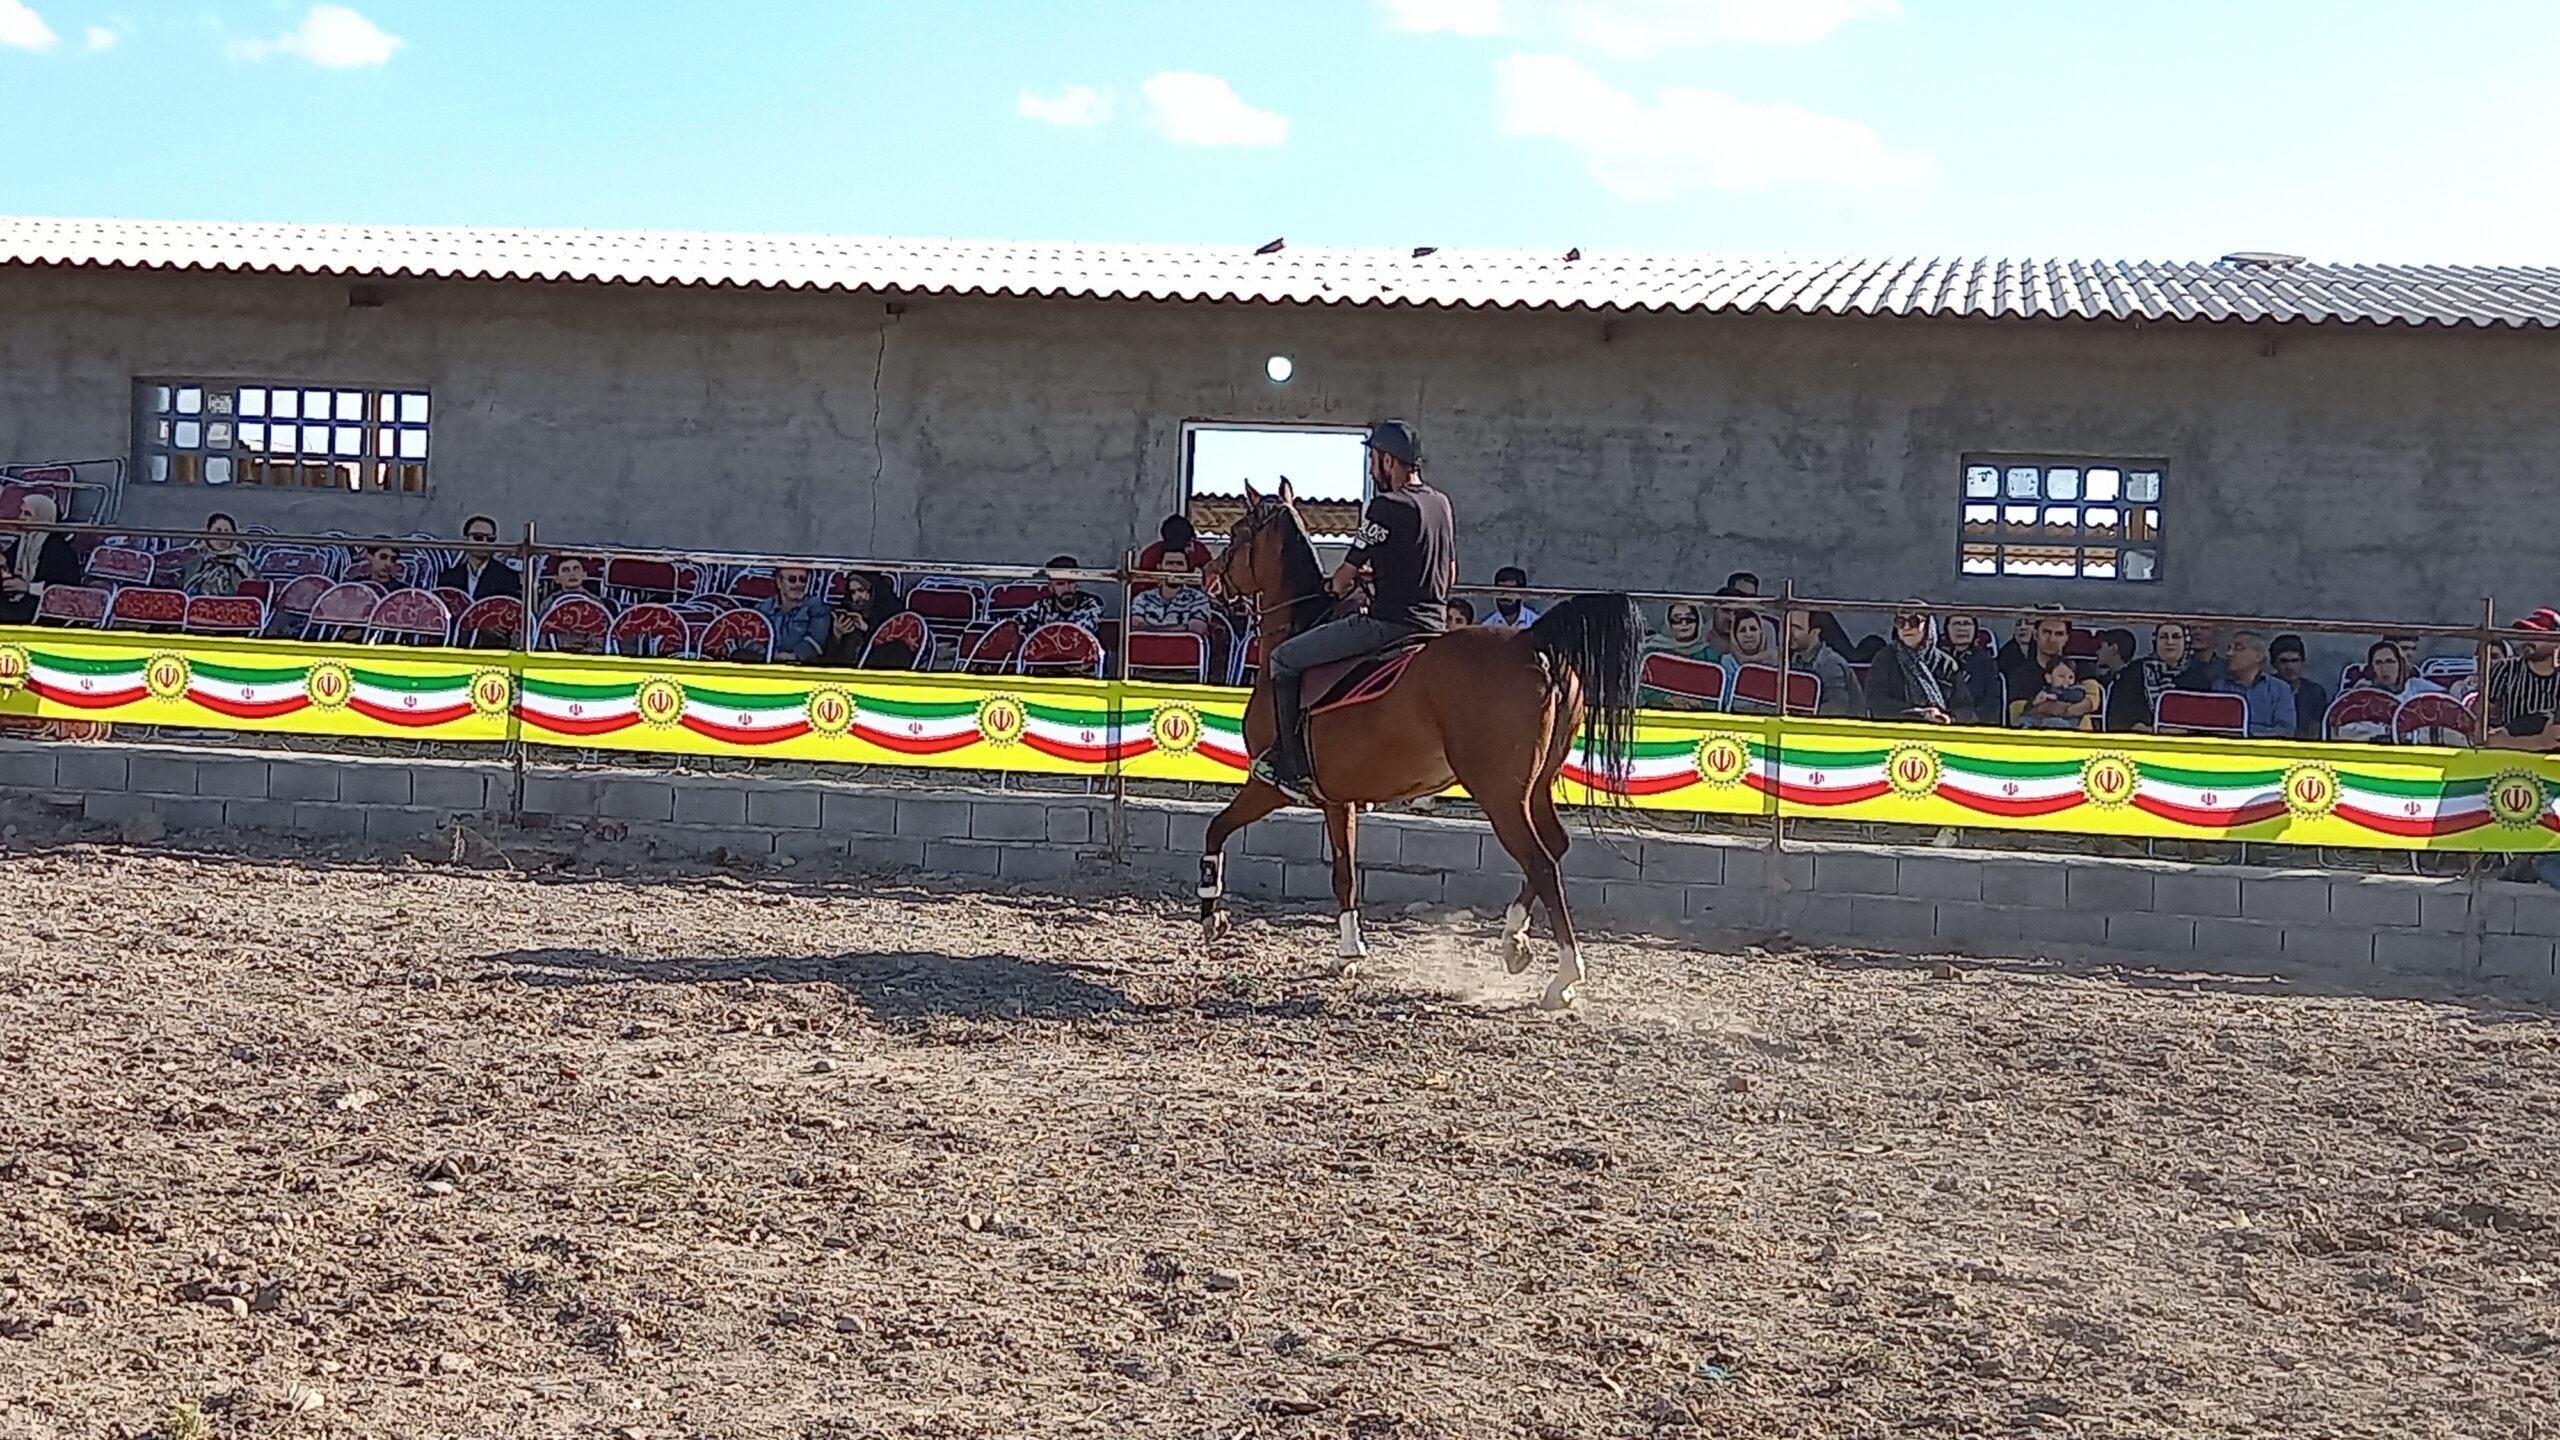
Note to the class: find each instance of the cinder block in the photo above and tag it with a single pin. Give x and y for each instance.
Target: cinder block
(272, 816)
(703, 840)
(1937, 877)
(1285, 838)
(162, 774)
(2377, 901)
(787, 809)
(2525, 957)
(1671, 862)
(643, 800)
(1856, 872)
(27, 767)
(2038, 925)
(2196, 892)
(1451, 849)
(928, 819)
(1388, 887)
(1023, 819)
(962, 857)
(2537, 909)
(1307, 880)
(1186, 831)
(2038, 884)
(1143, 831)
(1647, 907)
(888, 852)
(393, 825)
(2108, 889)
(2240, 941)
(375, 782)
(2416, 950)
(336, 822)
(2288, 899)
(1034, 863)
(807, 844)
(2328, 945)
(1762, 868)
(114, 807)
(301, 780)
(1977, 929)
(190, 812)
(1074, 824)
(2152, 933)
(713, 804)
(1593, 857)
(1255, 877)
(858, 814)
(448, 787)
(1712, 906)
(1480, 891)
(231, 777)
(2442, 907)
(79, 767)
(556, 794)
(1887, 917)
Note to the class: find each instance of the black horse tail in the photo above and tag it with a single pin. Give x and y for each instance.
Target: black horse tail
(1600, 638)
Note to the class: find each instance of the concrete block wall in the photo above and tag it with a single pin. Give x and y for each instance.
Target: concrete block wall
(1986, 903)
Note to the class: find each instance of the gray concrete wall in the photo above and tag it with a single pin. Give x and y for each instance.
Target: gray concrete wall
(2328, 471)
(2226, 918)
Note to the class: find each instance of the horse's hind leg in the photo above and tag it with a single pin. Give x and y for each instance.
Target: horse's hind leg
(1551, 834)
(1342, 827)
(1519, 835)
(1251, 803)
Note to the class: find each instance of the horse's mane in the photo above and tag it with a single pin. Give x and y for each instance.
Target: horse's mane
(1301, 574)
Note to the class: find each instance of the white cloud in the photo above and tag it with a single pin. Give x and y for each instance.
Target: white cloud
(1205, 110)
(22, 28)
(331, 36)
(100, 37)
(1635, 29)
(1694, 139)
(1075, 106)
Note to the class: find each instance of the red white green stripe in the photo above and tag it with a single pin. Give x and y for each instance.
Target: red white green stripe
(916, 727)
(86, 684)
(738, 717)
(417, 701)
(565, 707)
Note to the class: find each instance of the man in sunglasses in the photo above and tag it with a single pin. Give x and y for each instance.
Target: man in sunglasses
(481, 573)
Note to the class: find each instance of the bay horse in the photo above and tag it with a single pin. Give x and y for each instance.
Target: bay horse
(1494, 710)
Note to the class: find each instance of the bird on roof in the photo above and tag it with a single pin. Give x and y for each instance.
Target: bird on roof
(1275, 247)
(1573, 254)
(1421, 250)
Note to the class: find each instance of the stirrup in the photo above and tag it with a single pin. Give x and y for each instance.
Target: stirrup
(1266, 768)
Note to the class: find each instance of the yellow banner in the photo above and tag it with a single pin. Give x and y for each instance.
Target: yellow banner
(271, 686)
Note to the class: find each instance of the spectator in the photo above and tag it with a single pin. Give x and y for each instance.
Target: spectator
(2126, 701)
(870, 598)
(569, 577)
(2168, 665)
(2387, 669)
(1741, 582)
(1174, 537)
(2523, 693)
(481, 574)
(1751, 640)
(1974, 660)
(1174, 602)
(1835, 635)
(2269, 700)
(800, 620)
(2017, 656)
(379, 563)
(2207, 662)
(2030, 672)
(42, 556)
(1915, 680)
(1064, 604)
(2062, 702)
(1841, 695)
(1462, 613)
(221, 565)
(1509, 611)
(1687, 638)
(2310, 697)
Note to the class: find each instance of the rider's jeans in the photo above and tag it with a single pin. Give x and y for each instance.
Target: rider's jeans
(1335, 640)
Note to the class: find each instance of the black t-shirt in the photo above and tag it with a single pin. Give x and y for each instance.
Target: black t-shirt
(1405, 540)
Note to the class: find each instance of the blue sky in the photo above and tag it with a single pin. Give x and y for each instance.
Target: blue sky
(2160, 130)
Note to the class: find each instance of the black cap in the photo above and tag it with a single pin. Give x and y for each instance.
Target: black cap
(1396, 438)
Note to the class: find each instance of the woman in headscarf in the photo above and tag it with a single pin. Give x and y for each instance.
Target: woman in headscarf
(870, 598)
(43, 557)
(222, 565)
(1752, 642)
(1689, 639)
(1962, 641)
(1913, 679)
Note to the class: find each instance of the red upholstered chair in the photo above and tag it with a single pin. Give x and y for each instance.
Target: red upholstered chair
(738, 635)
(648, 630)
(752, 588)
(574, 622)
(492, 624)
(120, 565)
(1755, 689)
(226, 615)
(2360, 715)
(633, 582)
(1062, 649)
(2435, 720)
(411, 617)
(167, 565)
(1015, 597)
(285, 561)
(293, 604)
(455, 601)
(137, 608)
(905, 630)
(945, 607)
(82, 605)
(991, 649)
(1683, 679)
(1168, 655)
(2200, 712)
(343, 610)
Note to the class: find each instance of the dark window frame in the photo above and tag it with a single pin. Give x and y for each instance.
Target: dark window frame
(218, 432)
(2063, 523)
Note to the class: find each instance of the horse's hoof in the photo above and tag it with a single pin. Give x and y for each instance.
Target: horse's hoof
(1515, 954)
(1346, 968)
(1560, 997)
(1213, 928)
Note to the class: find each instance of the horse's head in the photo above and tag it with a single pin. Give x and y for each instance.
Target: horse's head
(1254, 564)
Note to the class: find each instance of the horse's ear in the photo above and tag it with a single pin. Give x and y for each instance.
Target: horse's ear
(1288, 491)
(1252, 497)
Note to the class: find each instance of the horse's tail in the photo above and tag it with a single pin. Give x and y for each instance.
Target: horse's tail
(1600, 638)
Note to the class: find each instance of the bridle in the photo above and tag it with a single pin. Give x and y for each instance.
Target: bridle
(1248, 529)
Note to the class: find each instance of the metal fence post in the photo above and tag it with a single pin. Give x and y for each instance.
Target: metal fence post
(515, 686)
(1778, 730)
(2480, 669)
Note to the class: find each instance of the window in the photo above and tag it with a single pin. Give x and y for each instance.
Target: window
(2056, 518)
(313, 437)
(1325, 464)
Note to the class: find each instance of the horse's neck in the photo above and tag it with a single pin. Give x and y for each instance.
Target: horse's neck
(1293, 615)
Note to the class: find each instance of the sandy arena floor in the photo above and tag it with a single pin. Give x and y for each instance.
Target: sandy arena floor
(401, 1149)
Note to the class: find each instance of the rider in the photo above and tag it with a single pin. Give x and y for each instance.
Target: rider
(1405, 543)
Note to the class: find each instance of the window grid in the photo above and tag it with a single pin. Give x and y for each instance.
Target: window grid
(2061, 518)
(324, 437)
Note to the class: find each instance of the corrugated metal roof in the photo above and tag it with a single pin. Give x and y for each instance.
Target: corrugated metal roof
(2304, 293)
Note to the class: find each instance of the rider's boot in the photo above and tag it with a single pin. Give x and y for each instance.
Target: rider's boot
(1284, 767)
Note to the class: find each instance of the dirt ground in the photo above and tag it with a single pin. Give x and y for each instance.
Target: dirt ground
(339, 1145)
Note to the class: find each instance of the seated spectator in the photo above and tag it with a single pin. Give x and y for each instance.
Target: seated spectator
(2125, 700)
(1175, 537)
(1064, 604)
(1462, 613)
(2029, 672)
(379, 563)
(221, 565)
(2017, 655)
(2062, 702)
(569, 577)
(2310, 698)
(1174, 602)
(1961, 639)
(1835, 635)
(1914, 679)
(481, 574)
(1841, 694)
(1510, 612)
(2387, 669)
(2209, 663)
(2523, 693)
(1751, 645)
(1686, 637)
(800, 620)
(40, 557)
(1720, 620)
(2166, 667)
(1741, 582)
(870, 598)
(2269, 700)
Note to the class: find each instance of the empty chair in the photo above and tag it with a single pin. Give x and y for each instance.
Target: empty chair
(167, 565)
(2446, 669)
(1681, 682)
(904, 634)
(752, 588)
(1168, 655)
(341, 612)
(120, 565)
(455, 601)
(633, 582)
(226, 615)
(292, 605)
(1015, 597)
(1755, 690)
(1062, 649)
(574, 622)
(409, 617)
(492, 624)
(738, 635)
(945, 606)
(84, 605)
(137, 607)
(2201, 712)
(283, 561)
(649, 629)
(2360, 715)
(2434, 720)
(993, 650)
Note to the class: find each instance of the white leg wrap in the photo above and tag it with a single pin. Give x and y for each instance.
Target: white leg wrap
(1353, 947)
(1515, 921)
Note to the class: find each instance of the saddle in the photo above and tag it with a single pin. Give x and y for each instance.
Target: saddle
(1341, 684)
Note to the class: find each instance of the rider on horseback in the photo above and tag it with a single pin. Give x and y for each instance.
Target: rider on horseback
(1405, 544)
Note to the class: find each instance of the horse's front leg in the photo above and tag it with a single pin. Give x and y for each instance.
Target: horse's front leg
(1251, 803)
(1342, 827)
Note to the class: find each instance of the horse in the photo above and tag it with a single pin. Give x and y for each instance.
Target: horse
(1494, 710)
